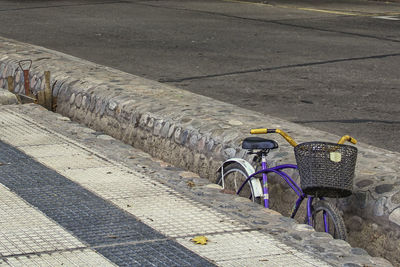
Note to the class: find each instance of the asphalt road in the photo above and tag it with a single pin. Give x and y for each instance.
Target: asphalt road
(332, 65)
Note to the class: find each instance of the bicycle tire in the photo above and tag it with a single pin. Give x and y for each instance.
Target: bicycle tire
(336, 225)
(234, 176)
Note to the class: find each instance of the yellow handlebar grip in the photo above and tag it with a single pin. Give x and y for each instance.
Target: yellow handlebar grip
(353, 140)
(259, 131)
(347, 138)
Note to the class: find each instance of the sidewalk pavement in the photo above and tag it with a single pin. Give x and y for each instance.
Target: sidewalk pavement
(65, 203)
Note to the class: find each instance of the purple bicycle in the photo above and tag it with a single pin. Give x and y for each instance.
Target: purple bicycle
(326, 171)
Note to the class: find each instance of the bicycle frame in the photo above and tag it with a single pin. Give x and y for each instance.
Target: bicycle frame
(289, 180)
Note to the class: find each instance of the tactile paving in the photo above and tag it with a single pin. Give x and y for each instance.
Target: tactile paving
(95, 221)
(10, 155)
(52, 196)
(30, 239)
(22, 136)
(30, 175)
(155, 204)
(115, 182)
(89, 217)
(9, 119)
(15, 213)
(79, 161)
(26, 230)
(250, 249)
(20, 172)
(83, 258)
(175, 215)
(53, 150)
(161, 253)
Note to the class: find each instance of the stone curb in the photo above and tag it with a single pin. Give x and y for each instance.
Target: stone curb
(197, 133)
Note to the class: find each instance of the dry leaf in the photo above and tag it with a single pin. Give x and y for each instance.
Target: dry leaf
(190, 184)
(202, 240)
(227, 191)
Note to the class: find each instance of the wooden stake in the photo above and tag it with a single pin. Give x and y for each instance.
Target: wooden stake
(10, 80)
(23, 99)
(54, 104)
(41, 98)
(48, 95)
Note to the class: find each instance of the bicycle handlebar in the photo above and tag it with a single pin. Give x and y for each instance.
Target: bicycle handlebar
(290, 139)
(279, 131)
(347, 138)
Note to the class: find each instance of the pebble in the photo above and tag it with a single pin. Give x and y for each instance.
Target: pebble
(395, 216)
(63, 118)
(105, 137)
(213, 186)
(235, 122)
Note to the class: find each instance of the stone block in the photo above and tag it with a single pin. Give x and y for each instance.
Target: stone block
(7, 98)
(394, 216)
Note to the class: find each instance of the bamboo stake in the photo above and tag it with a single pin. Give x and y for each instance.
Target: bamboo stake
(41, 98)
(54, 104)
(10, 80)
(48, 95)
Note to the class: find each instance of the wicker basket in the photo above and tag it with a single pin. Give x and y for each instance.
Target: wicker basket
(326, 169)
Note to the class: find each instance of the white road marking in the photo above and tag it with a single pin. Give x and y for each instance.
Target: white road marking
(387, 17)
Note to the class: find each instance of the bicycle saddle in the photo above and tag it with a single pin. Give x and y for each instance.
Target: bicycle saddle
(258, 143)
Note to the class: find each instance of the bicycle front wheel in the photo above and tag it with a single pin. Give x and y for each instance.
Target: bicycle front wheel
(231, 179)
(326, 218)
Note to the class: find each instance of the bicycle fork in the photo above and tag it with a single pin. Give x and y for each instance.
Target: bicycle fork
(309, 211)
(265, 181)
(310, 218)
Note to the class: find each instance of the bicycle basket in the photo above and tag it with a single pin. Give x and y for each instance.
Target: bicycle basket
(326, 169)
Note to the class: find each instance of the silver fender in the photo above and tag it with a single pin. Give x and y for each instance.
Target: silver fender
(256, 184)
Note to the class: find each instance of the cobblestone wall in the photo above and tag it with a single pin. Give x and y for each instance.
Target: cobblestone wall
(198, 133)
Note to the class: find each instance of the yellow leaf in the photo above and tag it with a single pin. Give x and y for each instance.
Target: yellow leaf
(202, 240)
(190, 184)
